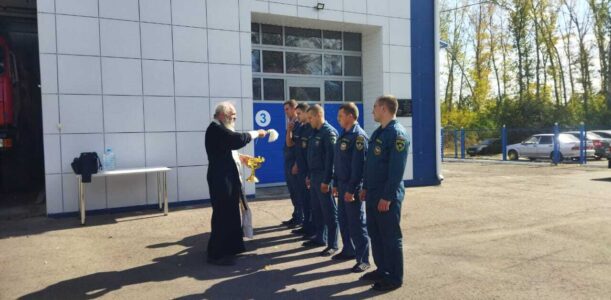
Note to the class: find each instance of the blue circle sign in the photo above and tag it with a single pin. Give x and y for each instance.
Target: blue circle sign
(263, 118)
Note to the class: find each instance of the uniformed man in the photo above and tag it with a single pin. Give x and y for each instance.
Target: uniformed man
(289, 163)
(383, 192)
(349, 160)
(300, 136)
(320, 166)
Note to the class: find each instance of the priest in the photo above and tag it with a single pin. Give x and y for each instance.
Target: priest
(225, 183)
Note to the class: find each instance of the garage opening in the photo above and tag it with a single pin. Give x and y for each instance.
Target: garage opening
(21, 143)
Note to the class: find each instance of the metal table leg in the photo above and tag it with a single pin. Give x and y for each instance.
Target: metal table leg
(165, 193)
(159, 190)
(81, 195)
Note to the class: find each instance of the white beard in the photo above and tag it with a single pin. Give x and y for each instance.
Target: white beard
(229, 125)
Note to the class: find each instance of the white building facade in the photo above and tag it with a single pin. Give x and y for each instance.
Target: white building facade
(143, 77)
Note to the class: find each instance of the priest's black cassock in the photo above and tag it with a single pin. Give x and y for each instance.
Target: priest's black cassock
(225, 189)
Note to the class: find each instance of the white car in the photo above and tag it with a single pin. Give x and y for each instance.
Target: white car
(603, 133)
(542, 146)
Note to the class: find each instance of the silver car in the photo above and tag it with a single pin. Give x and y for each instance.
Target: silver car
(542, 146)
(601, 144)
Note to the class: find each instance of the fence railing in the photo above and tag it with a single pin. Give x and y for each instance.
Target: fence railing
(462, 143)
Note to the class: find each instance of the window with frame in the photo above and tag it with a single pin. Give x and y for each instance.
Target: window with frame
(329, 61)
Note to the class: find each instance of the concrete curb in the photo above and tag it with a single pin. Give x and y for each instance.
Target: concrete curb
(520, 163)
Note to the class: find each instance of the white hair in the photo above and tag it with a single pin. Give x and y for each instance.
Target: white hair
(223, 108)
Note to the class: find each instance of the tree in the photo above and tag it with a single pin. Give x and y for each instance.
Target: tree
(519, 24)
(582, 25)
(547, 14)
(527, 63)
(602, 28)
(480, 68)
(494, 41)
(609, 78)
(454, 33)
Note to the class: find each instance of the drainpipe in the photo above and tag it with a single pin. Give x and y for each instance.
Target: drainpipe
(437, 102)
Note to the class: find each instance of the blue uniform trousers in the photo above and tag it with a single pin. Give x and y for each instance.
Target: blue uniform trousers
(324, 205)
(386, 238)
(303, 195)
(353, 225)
(291, 182)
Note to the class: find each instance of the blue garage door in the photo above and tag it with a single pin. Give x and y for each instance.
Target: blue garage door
(271, 115)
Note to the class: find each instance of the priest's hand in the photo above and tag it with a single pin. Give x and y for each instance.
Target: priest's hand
(244, 158)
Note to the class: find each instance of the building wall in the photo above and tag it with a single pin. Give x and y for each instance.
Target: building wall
(143, 77)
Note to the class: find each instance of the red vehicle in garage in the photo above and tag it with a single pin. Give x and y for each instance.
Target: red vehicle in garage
(8, 82)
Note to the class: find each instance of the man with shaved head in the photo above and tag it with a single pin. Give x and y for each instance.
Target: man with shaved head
(320, 171)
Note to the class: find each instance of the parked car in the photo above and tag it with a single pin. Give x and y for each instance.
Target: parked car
(607, 135)
(603, 133)
(601, 144)
(542, 146)
(486, 147)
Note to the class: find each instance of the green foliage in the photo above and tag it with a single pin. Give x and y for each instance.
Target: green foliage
(517, 70)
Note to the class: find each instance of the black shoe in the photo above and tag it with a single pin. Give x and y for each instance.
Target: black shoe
(372, 276)
(223, 261)
(312, 244)
(343, 256)
(288, 221)
(293, 224)
(360, 267)
(299, 231)
(385, 286)
(328, 252)
(308, 237)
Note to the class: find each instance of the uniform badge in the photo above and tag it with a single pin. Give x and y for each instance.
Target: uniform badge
(360, 143)
(400, 145)
(304, 144)
(377, 150)
(343, 146)
(333, 139)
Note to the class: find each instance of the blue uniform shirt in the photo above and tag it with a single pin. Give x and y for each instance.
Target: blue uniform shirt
(300, 138)
(289, 152)
(349, 159)
(386, 160)
(320, 151)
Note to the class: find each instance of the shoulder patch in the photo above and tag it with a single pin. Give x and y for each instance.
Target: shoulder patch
(400, 144)
(333, 138)
(360, 142)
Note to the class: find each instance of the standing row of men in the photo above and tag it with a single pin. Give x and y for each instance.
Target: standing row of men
(364, 173)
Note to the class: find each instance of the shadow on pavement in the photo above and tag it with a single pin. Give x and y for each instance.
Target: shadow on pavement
(36, 224)
(251, 277)
(607, 179)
